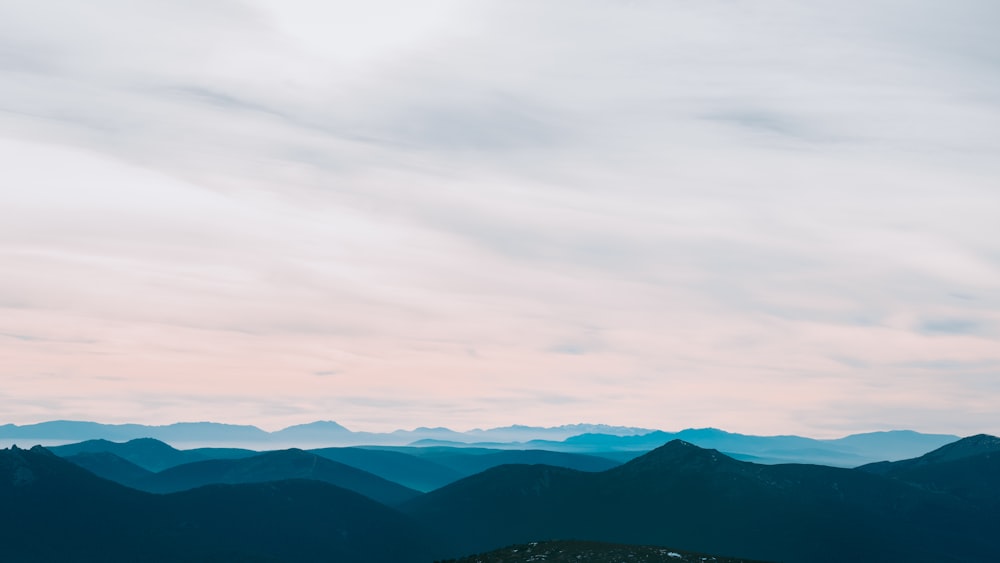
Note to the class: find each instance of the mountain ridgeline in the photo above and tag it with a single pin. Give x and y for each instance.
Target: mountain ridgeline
(154, 466)
(155, 503)
(616, 442)
(968, 468)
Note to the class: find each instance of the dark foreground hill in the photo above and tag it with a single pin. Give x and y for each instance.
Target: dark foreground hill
(578, 551)
(685, 496)
(56, 511)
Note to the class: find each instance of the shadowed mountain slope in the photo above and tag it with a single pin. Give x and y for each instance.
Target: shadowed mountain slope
(469, 462)
(149, 453)
(960, 449)
(101, 457)
(969, 468)
(407, 470)
(697, 499)
(891, 444)
(97, 520)
(277, 466)
(113, 468)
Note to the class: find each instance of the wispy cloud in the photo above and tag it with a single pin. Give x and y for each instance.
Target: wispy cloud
(952, 326)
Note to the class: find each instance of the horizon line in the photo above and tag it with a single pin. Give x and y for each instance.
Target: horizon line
(646, 430)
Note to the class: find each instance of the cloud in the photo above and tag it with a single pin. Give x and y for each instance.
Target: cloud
(761, 207)
(23, 337)
(951, 326)
(569, 348)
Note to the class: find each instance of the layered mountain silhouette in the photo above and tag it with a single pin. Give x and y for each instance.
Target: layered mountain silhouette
(408, 470)
(56, 511)
(277, 466)
(149, 453)
(468, 461)
(259, 468)
(615, 442)
(293, 505)
(701, 500)
(849, 451)
(420, 469)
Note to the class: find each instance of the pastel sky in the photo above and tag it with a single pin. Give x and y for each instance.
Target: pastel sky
(766, 216)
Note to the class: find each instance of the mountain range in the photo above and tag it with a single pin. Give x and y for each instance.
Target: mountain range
(941, 506)
(261, 468)
(614, 442)
(155, 466)
(324, 432)
(700, 499)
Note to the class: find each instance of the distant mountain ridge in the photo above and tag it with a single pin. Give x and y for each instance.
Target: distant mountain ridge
(849, 451)
(319, 431)
(623, 442)
(181, 431)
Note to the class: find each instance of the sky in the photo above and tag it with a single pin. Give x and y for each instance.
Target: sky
(767, 216)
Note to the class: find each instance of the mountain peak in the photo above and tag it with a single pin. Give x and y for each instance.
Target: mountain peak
(966, 447)
(317, 429)
(21, 469)
(680, 455)
(680, 446)
(41, 450)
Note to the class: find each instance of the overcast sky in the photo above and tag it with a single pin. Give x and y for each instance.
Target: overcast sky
(765, 216)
